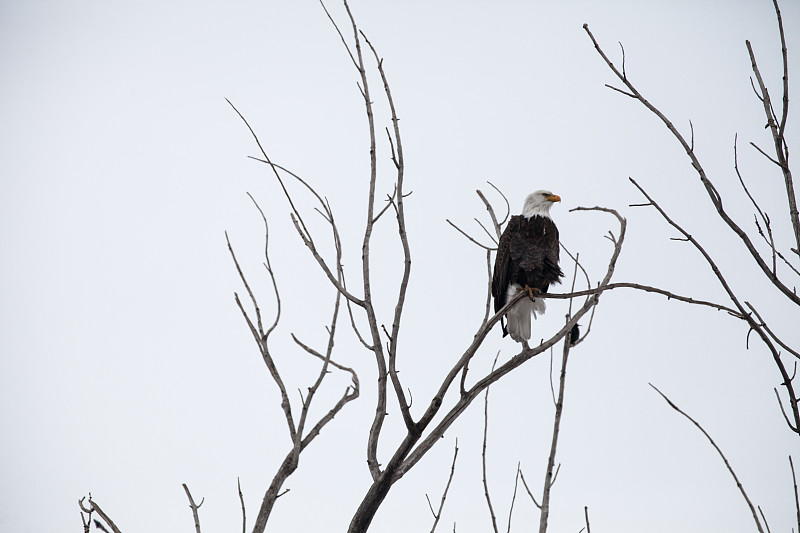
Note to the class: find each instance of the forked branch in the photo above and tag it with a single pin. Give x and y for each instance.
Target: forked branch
(711, 190)
(299, 435)
(194, 506)
(94, 507)
(777, 128)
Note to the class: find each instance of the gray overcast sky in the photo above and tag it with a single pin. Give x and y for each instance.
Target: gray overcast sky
(126, 368)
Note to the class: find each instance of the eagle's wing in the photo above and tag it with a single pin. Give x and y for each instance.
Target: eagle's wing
(503, 263)
(552, 271)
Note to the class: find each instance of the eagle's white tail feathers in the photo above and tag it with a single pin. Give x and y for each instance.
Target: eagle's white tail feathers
(519, 320)
(519, 316)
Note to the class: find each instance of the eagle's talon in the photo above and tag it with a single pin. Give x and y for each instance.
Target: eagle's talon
(532, 292)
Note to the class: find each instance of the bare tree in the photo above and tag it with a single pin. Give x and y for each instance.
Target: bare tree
(441, 410)
(426, 429)
(387, 462)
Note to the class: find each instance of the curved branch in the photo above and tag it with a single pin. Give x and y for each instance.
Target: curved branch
(644, 288)
(503, 196)
(93, 506)
(724, 459)
(271, 273)
(777, 340)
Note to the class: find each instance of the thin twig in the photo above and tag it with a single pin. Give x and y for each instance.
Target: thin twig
(513, 499)
(438, 514)
(344, 41)
(764, 518)
(483, 454)
(86, 517)
(764, 217)
(724, 459)
(508, 207)
(525, 484)
(471, 238)
(586, 515)
(552, 387)
(771, 334)
(796, 500)
(486, 231)
(495, 223)
(241, 500)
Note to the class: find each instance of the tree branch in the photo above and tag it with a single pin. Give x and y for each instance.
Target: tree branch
(525, 484)
(778, 129)
(796, 500)
(549, 478)
(438, 514)
(377, 347)
(755, 326)
(297, 218)
(712, 192)
(643, 288)
(764, 217)
(241, 499)
(483, 453)
(194, 507)
(586, 515)
(724, 459)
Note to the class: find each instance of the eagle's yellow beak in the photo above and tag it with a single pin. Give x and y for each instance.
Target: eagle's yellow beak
(554, 198)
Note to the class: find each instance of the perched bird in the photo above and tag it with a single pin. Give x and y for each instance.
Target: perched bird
(574, 334)
(527, 260)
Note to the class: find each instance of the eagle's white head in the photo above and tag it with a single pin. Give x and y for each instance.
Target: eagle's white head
(539, 203)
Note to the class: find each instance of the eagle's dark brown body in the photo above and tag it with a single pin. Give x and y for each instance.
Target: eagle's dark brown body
(527, 255)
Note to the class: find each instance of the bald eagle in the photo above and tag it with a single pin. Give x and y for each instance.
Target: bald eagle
(527, 260)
